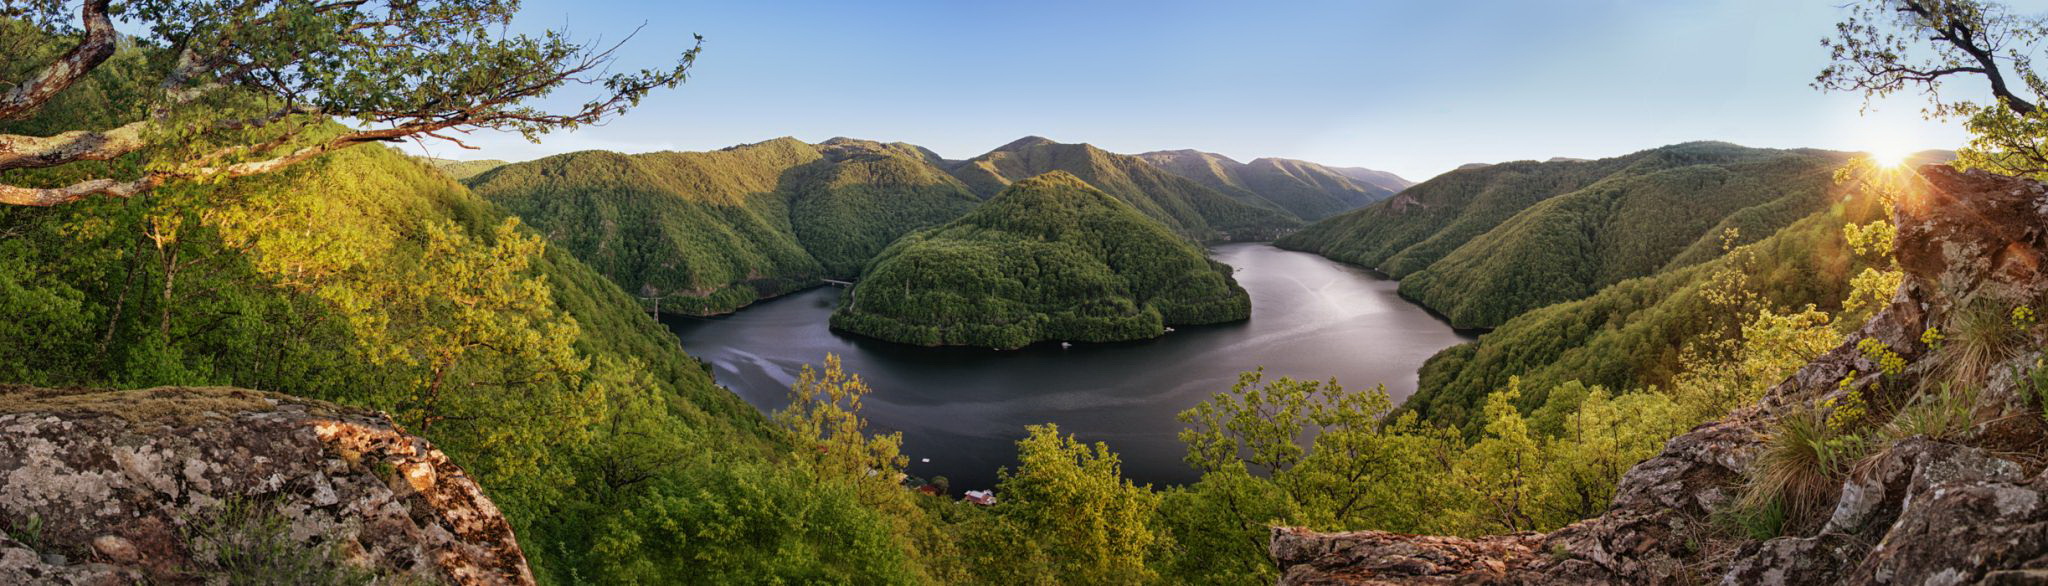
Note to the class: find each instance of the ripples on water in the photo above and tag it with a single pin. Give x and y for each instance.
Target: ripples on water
(963, 408)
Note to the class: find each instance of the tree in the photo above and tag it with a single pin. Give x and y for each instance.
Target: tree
(824, 423)
(1502, 467)
(481, 334)
(1074, 502)
(1889, 46)
(1598, 443)
(1301, 453)
(246, 87)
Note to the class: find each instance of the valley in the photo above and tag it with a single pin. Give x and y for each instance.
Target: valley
(1584, 309)
(964, 408)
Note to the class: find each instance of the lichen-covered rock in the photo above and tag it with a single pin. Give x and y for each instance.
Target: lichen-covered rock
(169, 485)
(1379, 557)
(1921, 512)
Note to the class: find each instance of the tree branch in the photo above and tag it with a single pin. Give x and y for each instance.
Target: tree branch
(33, 152)
(49, 196)
(93, 49)
(1952, 28)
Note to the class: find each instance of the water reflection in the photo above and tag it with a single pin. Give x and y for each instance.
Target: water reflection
(963, 408)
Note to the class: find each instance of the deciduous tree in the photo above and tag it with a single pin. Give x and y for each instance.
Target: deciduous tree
(246, 87)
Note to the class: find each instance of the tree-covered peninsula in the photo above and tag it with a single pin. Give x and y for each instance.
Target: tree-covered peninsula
(1048, 259)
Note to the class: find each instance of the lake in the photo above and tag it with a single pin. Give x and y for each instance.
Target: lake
(963, 409)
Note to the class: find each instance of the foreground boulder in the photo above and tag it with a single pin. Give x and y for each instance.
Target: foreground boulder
(1917, 512)
(186, 485)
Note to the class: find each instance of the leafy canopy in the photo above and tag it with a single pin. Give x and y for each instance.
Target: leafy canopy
(230, 88)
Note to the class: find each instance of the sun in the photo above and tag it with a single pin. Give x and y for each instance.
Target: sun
(1889, 156)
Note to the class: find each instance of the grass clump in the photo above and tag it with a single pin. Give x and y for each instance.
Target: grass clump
(246, 542)
(29, 533)
(1793, 481)
(1978, 339)
(1947, 414)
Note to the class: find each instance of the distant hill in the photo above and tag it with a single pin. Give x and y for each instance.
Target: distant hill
(1485, 244)
(1185, 206)
(460, 170)
(1930, 156)
(1307, 190)
(708, 232)
(1049, 258)
(1375, 178)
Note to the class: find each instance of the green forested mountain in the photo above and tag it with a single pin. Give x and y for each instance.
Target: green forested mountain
(1183, 205)
(708, 232)
(864, 195)
(1483, 245)
(1049, 258)
(1305, 189)
(460, 170)
(1633, 334)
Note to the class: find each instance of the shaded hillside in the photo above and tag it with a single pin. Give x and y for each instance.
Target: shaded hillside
(708, 232)
(1307, 190)
(1049, 258)
(1483, 245)
(1187, 207)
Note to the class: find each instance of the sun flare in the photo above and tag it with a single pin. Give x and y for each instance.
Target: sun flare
(1892, 156)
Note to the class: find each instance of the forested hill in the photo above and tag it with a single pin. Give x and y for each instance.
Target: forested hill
(1049, 258)
(460, 170)
(1482, 245)
(1635, 334)
(1305, 189)
(368, 278)
(708, 232)
(1183, 205)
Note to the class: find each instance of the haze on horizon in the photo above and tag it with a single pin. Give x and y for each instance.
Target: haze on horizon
(1412, 88)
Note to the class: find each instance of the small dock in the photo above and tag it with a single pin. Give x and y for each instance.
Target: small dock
(838, 283)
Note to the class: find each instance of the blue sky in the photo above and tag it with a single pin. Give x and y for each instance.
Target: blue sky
(1414, 87)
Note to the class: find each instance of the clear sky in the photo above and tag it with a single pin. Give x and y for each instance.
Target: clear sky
(1415, 87)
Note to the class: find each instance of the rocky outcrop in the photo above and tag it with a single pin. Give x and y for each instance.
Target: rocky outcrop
(1379, 557)
(183, 485)
(1917, 512)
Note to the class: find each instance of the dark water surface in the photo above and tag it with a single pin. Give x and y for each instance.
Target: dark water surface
(963, 409)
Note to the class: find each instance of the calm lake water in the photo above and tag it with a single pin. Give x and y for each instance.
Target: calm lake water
(964, 409)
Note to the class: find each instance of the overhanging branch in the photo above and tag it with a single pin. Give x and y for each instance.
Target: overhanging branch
(91, 51)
